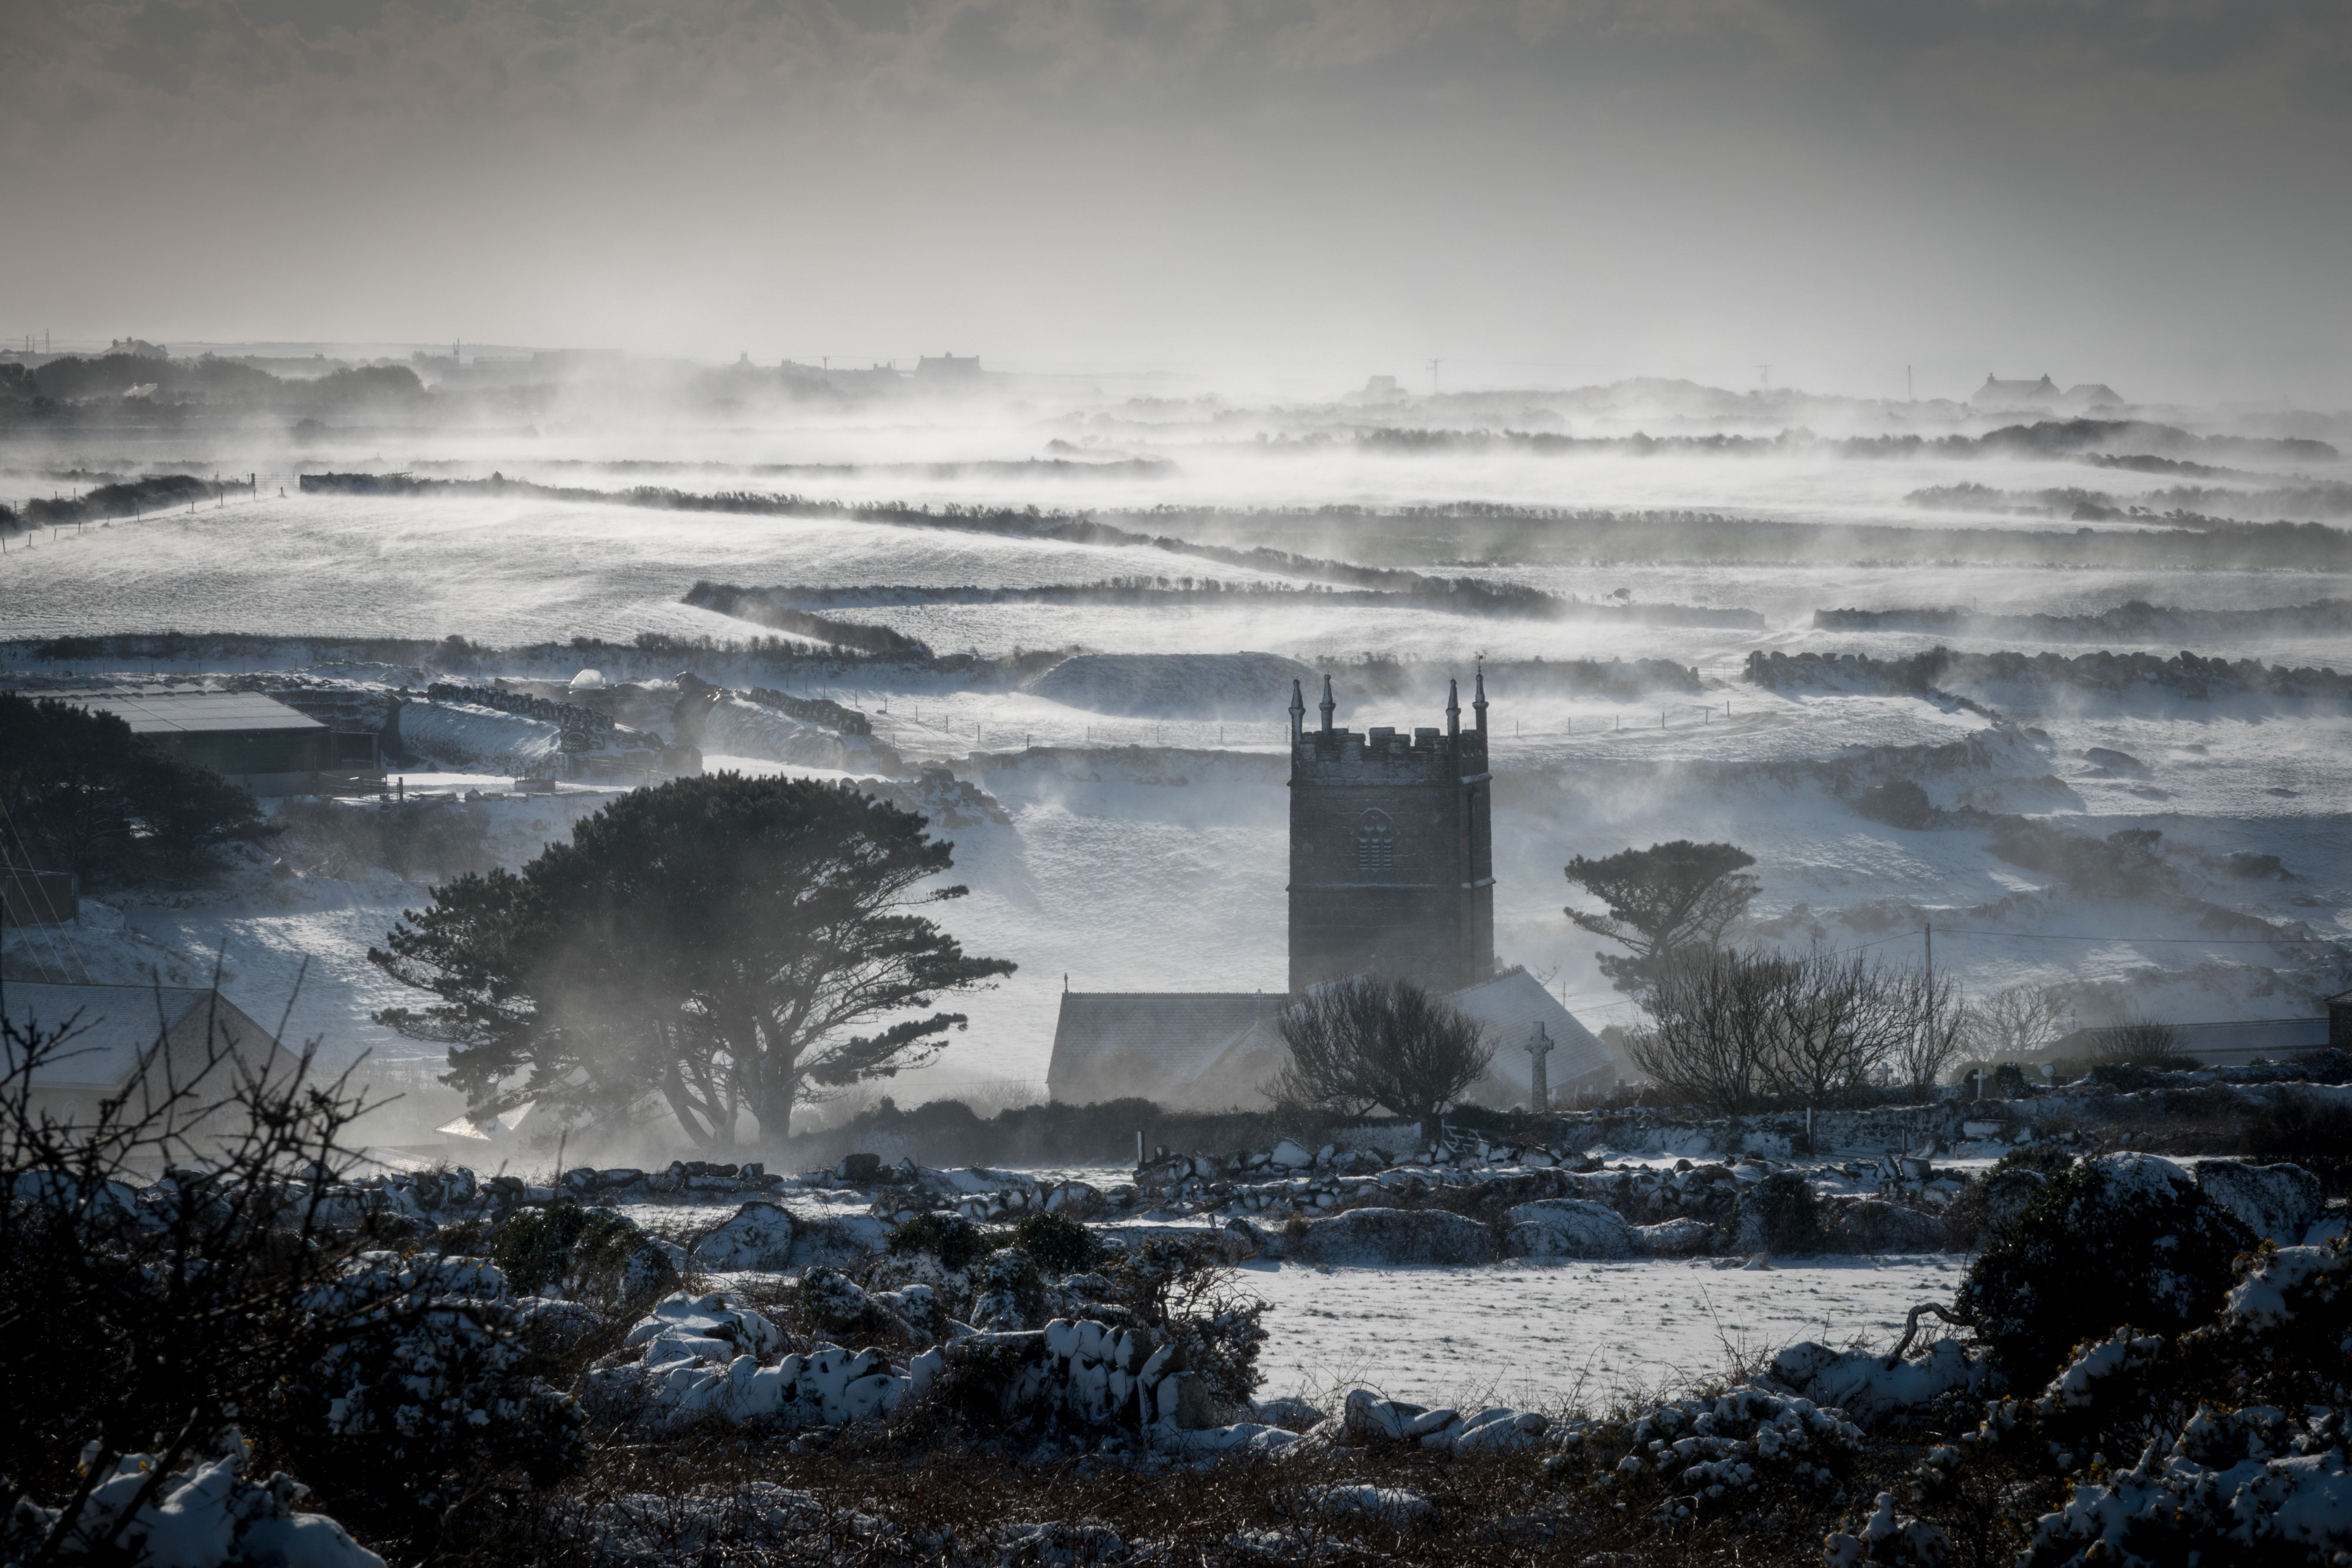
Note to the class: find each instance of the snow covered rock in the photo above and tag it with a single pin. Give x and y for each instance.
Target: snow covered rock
(2170, 1507)
(1890, 1540)
(1678, 1238)
(1568, 1227)
(208, 1516)
(759, 1235)
(2278, 1203)
(1869, 1391)
(1386, 1237)
(1710, 1453)
(683, 1327)
(1362, 1499)
(700, 1361)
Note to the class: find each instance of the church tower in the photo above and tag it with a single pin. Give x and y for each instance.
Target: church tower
(1392, 849)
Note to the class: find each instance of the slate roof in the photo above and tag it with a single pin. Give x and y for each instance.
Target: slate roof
(112, 1025)
(2043, 391)
(1510, 1006)
(1176, 1034)
(1217, 1048)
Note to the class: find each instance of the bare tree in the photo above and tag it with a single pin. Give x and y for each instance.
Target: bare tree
(2137, 1041)
(134, 1321)
(1946, 1026)
(1842, 1019)
(1376, 1040)
(2013, 1024)
(1729, 1028)
(1713, 1023)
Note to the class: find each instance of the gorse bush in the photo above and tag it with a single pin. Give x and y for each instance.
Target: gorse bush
(1059, 1244)
(2124, 1238)
(426, 1392)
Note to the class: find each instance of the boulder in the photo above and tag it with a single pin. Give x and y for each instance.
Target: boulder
(1381, 1238)
(1874, 1225)
(1286, 1153)
(1678, 1238)
(859, 1170)
(1568, 1227)
(2278, 1203)
(759, 1235)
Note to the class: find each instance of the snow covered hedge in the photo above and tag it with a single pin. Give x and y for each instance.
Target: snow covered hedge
(426, 1388)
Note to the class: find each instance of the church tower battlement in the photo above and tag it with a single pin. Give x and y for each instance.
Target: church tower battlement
(1392, 849)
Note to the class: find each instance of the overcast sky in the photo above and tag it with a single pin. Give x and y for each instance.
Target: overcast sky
(2156, 193)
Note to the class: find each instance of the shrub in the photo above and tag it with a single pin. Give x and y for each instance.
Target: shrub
(1781, 1214)
(1059, 1244)
(424, 1394)
(2124, 1238)
(586, 1251)
(1899, 804)
(954, 1240)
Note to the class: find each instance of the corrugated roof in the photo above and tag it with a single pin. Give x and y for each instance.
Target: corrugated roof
(111, 1026)
(190, 713)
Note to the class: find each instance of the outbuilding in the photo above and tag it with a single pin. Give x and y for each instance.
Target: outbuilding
(249, 737)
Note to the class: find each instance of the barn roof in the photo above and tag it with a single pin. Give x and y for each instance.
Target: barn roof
(193, 712)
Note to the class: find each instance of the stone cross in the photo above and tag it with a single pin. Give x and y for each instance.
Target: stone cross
(1539, 1081)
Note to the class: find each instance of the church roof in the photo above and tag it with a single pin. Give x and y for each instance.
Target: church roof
(1211, 1049)
(1510, 1006)
(1158, 1039)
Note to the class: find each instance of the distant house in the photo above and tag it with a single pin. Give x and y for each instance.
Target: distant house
(139, 1044)
(948, 368)
(2089, 395)
(1994, 393)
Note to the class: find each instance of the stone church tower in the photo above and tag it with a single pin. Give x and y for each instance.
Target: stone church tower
(1391, 850)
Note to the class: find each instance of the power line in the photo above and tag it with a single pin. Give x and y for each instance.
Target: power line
(2188, 941)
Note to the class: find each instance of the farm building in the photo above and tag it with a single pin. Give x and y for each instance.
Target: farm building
(249, 737)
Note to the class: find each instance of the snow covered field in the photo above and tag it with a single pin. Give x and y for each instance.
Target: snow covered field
(1544, 1336)
(1142, 875)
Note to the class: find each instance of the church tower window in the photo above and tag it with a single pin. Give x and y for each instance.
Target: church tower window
(1375, 844)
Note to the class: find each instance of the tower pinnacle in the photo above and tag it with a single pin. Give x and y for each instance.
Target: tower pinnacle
(1327, 705)
(1452, 707)
(1478, 704)
(1298, 712)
